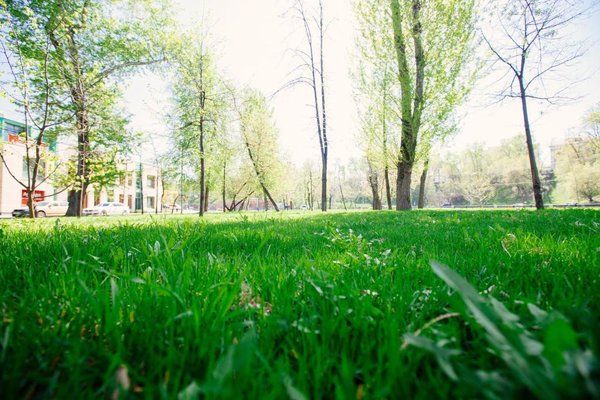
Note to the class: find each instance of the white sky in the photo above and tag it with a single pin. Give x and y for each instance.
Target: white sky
(253, 39)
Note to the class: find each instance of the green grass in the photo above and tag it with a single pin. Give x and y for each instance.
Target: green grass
(300, 306)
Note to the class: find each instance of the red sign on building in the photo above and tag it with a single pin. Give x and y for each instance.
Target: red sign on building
(38, 195)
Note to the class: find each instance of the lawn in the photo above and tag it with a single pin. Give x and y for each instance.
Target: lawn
(337, 305)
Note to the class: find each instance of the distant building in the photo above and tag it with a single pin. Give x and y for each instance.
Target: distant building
(140, 186)
(12, 145)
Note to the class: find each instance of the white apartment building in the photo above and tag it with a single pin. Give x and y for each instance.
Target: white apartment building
(140, 187)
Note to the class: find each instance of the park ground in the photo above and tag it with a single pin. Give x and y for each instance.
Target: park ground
(423, 304)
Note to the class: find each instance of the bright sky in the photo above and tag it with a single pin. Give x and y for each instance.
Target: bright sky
(253, 41)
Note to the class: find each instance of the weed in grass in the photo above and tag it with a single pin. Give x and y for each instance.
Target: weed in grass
(548, 363)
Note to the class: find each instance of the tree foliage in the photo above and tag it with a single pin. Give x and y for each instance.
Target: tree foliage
(427, 45)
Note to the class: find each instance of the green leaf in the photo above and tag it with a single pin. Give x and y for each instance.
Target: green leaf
(441, 354)
(192, 391)
(559, 338)
(293, 392)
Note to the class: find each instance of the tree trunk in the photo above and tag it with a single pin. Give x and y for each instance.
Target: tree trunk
(30, 204)
(535, 177)
(78, 93)
(202, 169)
(268, 195)
(374, 184)
(403, 186)
(224, 182)
(76, 195)
(343, 198)
(324, 183)
(412, 95)
(422, 184)
(386, 171)
(318, 89)
(388, 190)
(206, 199)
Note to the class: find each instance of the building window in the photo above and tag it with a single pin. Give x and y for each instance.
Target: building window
(12, 129)
(150, 202)
(129, 179)
(31, 165)
(122, 198)
(151, 181)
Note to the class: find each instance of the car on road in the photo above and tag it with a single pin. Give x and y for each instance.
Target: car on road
(107, 208)
(44, 209)
(21, 212)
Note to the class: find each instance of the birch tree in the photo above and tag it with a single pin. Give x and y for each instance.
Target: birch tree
(313, 60)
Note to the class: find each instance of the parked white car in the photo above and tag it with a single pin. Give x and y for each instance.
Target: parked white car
(108, 208)
(44, 209)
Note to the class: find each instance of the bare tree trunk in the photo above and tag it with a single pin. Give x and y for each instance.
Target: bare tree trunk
(324, 144)
(535, 177)
(318, 86)
(324, 182)
(422, 184)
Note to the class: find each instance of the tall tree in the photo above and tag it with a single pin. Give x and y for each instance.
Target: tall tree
(376, 88)
(531, 49)
(314, 60)
(430, 58)
(91, 41)
(430, 62)
(199, 102)
(259, 135)
(31, 89)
